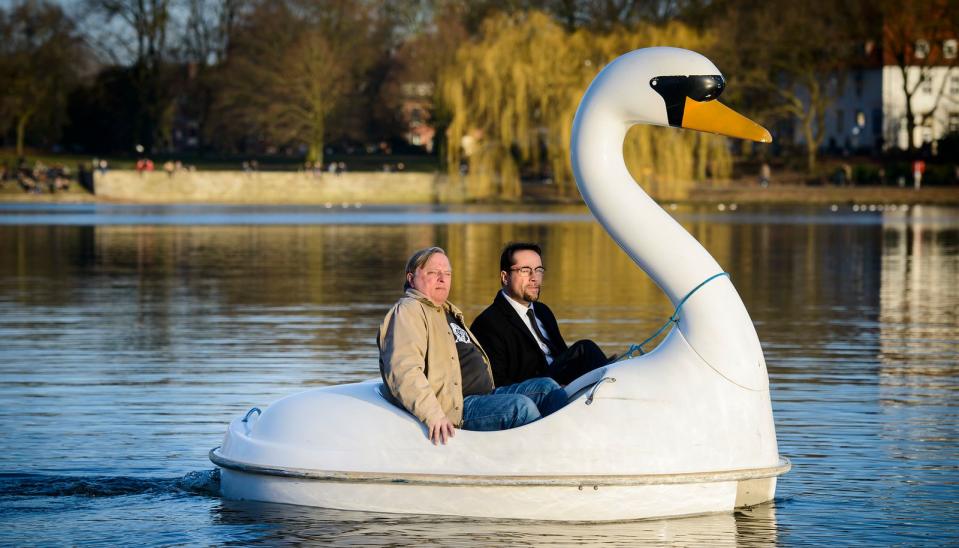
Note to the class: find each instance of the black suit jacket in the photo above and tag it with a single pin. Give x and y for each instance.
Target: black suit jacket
(513, 352)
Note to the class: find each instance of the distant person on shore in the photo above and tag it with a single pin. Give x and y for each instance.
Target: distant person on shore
(434, 367)
(764, 174)
(839, 176)
(169, 168)
(520, 333)
(847, 174)
(918, 169)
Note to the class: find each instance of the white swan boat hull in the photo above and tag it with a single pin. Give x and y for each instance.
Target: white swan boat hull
(574, 499)
(569, 466)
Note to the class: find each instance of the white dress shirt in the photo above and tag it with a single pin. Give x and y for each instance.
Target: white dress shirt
(521, 310)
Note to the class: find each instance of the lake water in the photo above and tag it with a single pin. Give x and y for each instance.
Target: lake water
(131, 336)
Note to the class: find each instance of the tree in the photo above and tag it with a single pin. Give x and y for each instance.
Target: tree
(514, 90)
(608, 14)
(596, 15)
(136, 32)
(378, 99)
(416, 65)
(202, 45)
(794, 69)
(40, 55)
(292, 68)
(912, 36)
(206, 34)
(101, 112)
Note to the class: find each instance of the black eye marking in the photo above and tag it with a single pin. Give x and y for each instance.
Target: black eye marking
(675, 89)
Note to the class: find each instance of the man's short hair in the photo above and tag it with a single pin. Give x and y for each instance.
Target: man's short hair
(506, 259)
(417, 261)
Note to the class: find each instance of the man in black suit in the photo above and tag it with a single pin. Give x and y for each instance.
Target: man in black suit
(520, 334)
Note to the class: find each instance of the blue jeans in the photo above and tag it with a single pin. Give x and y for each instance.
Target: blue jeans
(513, 405)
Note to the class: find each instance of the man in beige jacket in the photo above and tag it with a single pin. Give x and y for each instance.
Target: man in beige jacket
(434, 367)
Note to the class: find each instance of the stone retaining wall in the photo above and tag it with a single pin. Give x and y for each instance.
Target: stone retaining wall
(265, 187)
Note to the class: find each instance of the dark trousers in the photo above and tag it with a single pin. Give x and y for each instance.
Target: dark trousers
(580, 358)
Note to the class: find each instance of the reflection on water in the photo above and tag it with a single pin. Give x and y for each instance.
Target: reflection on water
(126, 348)
(291, 524)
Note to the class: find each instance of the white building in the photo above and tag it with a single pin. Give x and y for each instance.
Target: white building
(870, 113)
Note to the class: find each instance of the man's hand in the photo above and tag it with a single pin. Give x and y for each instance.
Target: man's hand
(441, 430)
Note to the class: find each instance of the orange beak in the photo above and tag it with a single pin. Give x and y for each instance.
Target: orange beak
(715, 117)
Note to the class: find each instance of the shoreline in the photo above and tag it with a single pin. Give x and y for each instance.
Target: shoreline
(375, 188)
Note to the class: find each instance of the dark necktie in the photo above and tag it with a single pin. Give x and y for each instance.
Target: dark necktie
(535, 324)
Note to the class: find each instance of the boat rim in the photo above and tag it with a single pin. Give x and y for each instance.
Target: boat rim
(743, 474)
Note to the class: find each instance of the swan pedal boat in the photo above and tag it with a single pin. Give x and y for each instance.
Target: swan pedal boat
(685, 429)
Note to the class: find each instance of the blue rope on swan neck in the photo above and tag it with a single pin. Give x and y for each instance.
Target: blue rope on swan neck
(673, 319)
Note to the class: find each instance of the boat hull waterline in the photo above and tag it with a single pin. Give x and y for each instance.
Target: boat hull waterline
(575, 498)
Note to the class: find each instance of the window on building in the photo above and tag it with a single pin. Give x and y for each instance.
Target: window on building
(859, 82)
(953, 122)
(926, 86)
(877, 121)
(840, 126)
(922, 49)
(954, 84)
(949, 48)
(860, 118)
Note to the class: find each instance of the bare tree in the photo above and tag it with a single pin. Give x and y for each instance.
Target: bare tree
(136, 33)
(40, 55)
(206, 33)
(795, 68)
(292, 68)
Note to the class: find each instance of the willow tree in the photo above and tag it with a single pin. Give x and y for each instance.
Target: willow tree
(514, 91)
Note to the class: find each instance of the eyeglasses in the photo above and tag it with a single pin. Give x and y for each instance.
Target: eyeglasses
(528, 271)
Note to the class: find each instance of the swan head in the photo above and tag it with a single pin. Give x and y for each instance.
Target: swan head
(672, 87)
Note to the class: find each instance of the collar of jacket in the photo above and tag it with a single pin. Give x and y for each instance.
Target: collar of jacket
(414, 294)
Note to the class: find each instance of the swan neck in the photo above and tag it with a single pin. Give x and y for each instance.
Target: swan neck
(650, 236)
